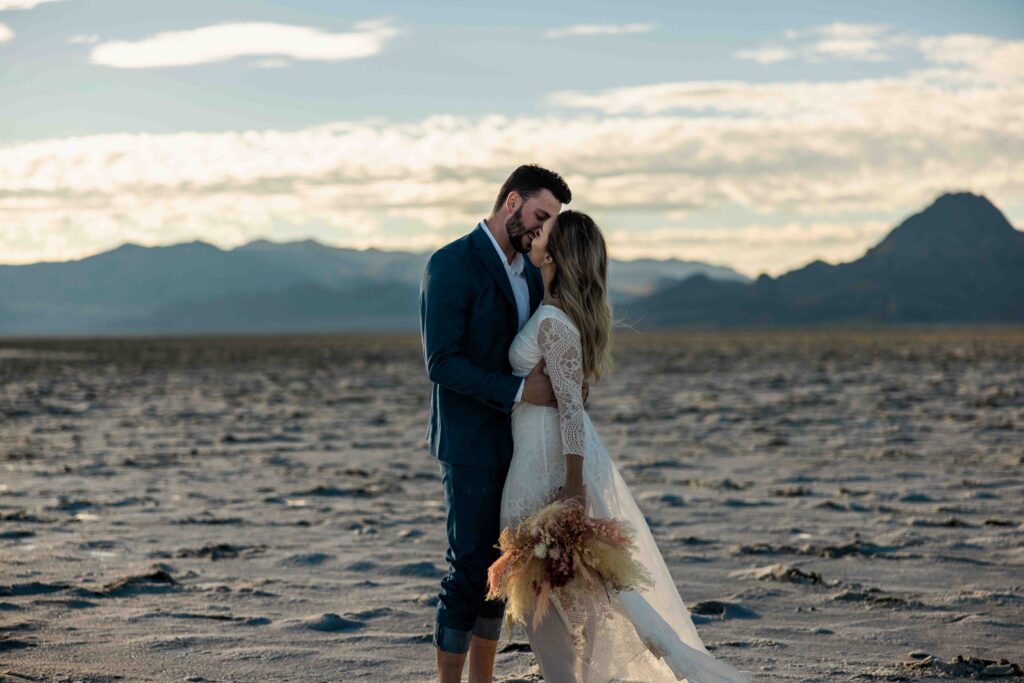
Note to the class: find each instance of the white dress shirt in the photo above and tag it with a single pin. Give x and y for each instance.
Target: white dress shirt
(520, 288)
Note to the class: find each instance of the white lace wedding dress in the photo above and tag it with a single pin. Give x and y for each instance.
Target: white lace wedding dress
(645, 635)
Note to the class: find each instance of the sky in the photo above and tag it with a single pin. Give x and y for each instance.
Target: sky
(759, 136)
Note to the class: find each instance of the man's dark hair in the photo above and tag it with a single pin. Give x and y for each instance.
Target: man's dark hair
(529, 179)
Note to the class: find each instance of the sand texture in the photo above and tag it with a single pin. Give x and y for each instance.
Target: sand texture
(834, 506)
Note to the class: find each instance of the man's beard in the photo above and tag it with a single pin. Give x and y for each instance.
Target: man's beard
(517, 232)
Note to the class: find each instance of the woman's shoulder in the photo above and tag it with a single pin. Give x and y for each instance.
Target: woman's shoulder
(547, 310)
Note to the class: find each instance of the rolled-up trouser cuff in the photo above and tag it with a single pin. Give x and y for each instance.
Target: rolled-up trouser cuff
(488, 627)
(455, 640)
(451, 639)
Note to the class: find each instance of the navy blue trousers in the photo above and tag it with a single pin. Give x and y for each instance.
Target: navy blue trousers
(472, 500)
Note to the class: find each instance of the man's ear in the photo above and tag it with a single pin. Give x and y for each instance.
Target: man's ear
(512, 201)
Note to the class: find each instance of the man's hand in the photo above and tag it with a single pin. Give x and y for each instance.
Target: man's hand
(537, 389)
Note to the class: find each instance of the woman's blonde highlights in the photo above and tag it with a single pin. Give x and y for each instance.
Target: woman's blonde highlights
(578, 249)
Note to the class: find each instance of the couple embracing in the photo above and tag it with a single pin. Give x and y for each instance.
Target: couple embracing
(516, 321)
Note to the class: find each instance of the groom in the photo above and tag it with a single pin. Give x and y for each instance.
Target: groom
(477, 293)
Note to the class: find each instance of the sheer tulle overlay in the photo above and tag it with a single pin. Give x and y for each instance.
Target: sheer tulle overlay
(645, 635)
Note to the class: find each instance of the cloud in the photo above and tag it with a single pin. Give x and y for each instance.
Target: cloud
(838, 40)
(965, 72)
(872, 107)
(5, 33)
(342, 176)
(600, 30)
(83, 38)
(766, 55)
(802, 169)
(22, 4)
(984, 57)
(222, 42)
(878, 42)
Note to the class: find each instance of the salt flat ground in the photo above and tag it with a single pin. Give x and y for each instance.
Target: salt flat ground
(263, 508)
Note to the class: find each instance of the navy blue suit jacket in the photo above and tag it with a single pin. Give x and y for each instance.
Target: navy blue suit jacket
(468, 319)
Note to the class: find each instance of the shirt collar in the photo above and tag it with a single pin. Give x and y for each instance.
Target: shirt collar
(517, 261)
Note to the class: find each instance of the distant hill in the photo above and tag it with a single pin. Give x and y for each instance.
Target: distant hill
(261, 286)
(958, 261)
(629, 280)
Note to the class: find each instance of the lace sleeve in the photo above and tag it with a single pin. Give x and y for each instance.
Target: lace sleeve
(563, 355)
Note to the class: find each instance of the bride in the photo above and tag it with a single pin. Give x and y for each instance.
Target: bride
(644, 635)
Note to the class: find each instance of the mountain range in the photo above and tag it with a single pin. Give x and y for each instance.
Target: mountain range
(260, 287)
(959, 261)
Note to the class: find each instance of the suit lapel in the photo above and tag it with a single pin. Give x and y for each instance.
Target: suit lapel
(487, 254)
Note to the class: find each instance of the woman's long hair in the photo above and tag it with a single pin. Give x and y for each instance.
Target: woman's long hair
(577, 247)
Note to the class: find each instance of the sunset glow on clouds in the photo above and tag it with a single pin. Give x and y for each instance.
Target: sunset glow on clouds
(761, 175)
